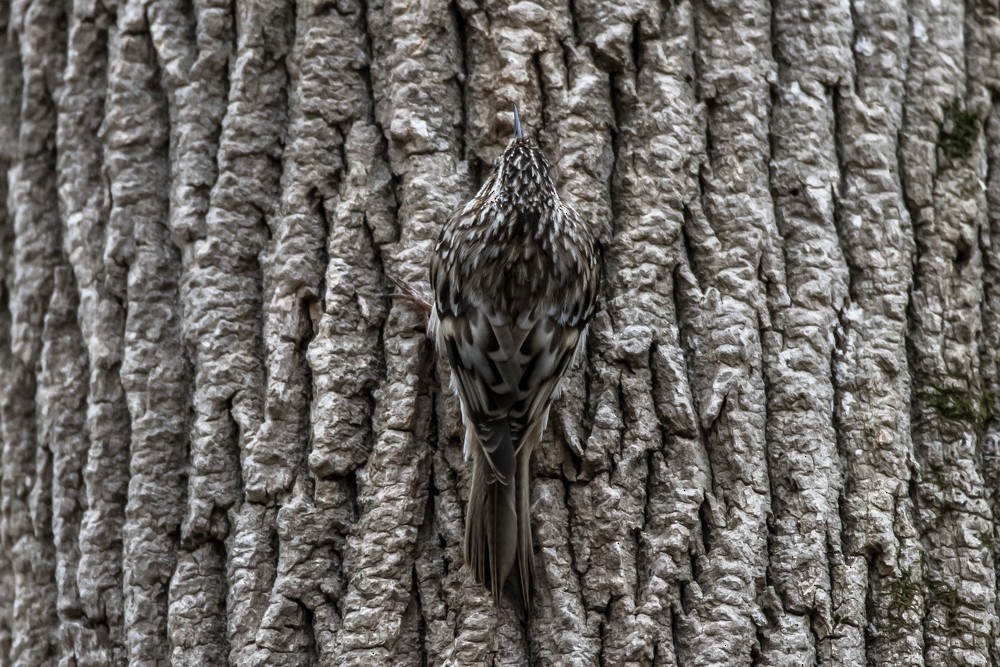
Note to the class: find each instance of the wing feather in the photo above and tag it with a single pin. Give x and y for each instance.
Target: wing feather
(508, 365)
(517, 378)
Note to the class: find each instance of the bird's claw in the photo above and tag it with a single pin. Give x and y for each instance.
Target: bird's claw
(409, 294)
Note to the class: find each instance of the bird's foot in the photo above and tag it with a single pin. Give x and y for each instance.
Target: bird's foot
(411, 295)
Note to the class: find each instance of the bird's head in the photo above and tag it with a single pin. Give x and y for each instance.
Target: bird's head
(522, 172)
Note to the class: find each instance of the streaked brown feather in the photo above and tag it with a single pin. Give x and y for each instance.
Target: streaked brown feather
(515, 277)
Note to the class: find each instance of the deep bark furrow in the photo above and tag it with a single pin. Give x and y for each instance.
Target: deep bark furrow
(10, 80)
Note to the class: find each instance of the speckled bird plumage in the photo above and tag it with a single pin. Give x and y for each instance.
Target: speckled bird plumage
(515, 277)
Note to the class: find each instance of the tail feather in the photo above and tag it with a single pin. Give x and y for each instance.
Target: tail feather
(498, 525)
(525, 552)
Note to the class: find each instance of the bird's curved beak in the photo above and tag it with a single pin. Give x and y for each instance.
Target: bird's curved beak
(517, 124)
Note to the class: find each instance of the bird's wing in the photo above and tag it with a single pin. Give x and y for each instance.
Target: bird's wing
(507, 367)
(506, 372)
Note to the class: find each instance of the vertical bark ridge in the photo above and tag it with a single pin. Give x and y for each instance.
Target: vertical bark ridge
(155, 372)
(98, 637)
(225, 281)
(942, 160)
(805, 472)
(989, 447)
(10, 79)
(646, 510)
(26, 490)
(62, 415)
(734, 63)
(220, 310)
(881, 541)
(416, 109)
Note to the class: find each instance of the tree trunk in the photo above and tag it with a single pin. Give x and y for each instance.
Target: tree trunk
(225, 439)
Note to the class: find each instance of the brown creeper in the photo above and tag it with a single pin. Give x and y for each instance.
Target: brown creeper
(515, 277)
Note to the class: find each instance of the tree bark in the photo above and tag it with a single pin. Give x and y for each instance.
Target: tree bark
(225, 439)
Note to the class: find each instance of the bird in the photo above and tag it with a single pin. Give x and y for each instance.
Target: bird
(515, 277)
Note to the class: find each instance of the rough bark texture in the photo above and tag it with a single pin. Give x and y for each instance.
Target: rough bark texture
(225, 440)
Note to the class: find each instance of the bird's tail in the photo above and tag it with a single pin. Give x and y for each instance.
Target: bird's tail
(498, 545)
